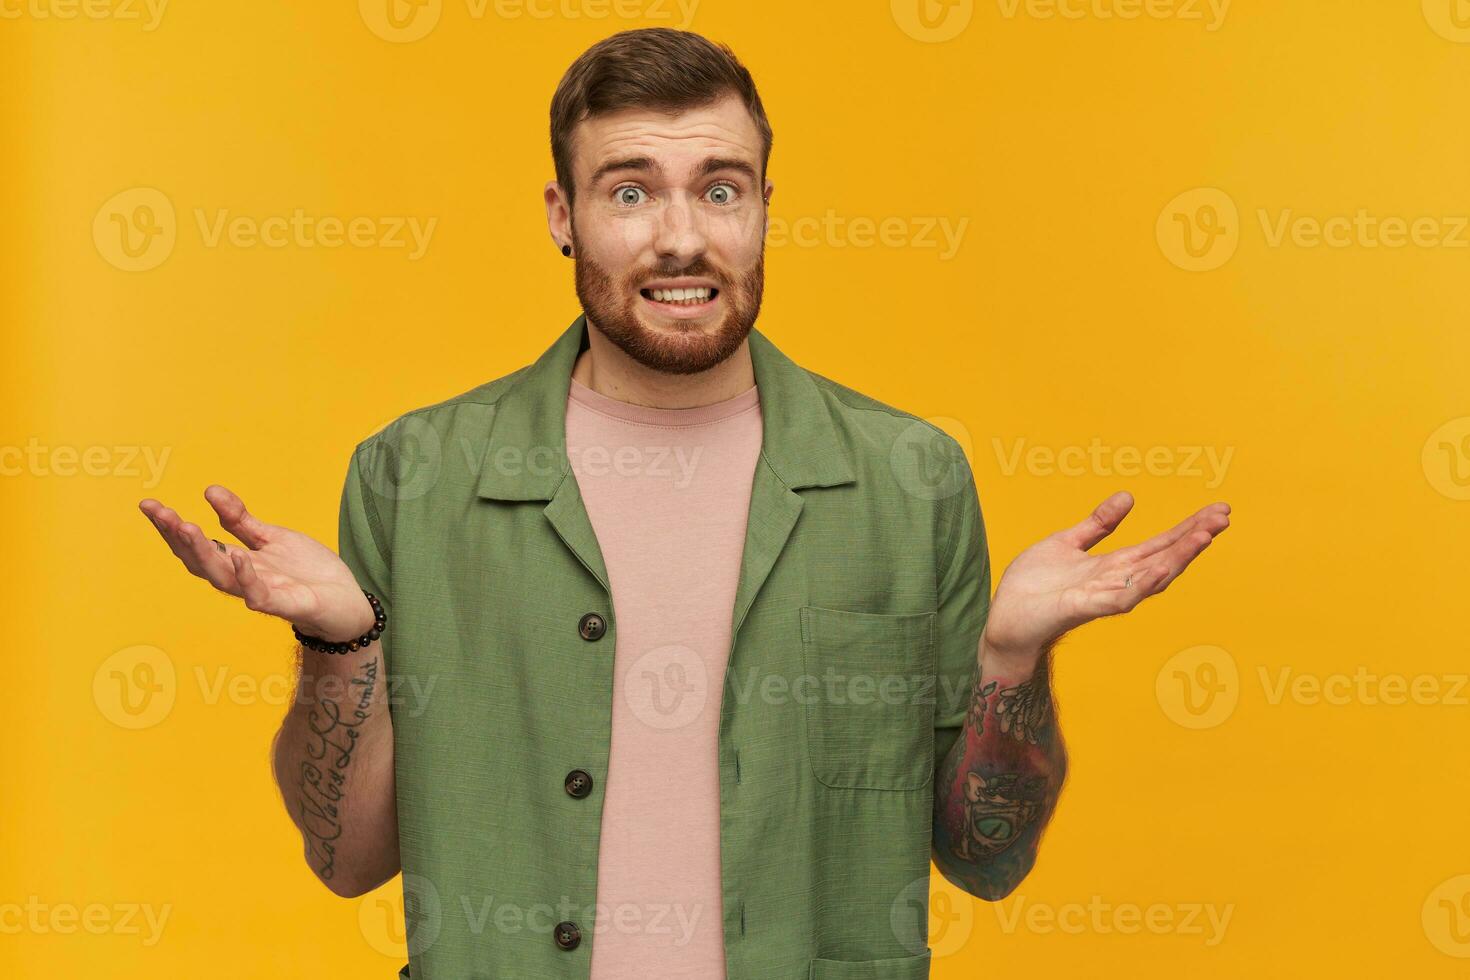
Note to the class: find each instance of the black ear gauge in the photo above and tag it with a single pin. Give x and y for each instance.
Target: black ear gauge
(566, 250)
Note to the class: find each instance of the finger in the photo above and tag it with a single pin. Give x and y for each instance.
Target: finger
(254, 591)
(213, 563)
(1104, 520)
(233, 516)
(1176, 557)
(166, 520)
(1146, 581)
(1139, 583)
(1213, 518)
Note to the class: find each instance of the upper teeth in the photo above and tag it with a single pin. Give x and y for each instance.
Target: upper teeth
(698, 294)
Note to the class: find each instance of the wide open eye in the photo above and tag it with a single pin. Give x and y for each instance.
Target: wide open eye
(721, 194)
(629, 196)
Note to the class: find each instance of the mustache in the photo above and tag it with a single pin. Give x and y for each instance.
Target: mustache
(700, 267)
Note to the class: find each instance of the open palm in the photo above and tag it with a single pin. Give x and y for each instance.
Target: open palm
(1056, 585)
(280, 572)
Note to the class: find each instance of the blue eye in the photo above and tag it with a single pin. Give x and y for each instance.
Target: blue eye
(721, 194)
(629, 196)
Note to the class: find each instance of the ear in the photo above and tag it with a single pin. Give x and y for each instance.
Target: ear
(770, 189)
(558, 214)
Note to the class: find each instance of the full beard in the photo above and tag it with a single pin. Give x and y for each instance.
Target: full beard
(612, 307)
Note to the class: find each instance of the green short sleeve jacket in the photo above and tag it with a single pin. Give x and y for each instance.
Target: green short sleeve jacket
(863, 589)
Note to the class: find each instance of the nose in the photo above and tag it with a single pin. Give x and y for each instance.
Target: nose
(680, 236)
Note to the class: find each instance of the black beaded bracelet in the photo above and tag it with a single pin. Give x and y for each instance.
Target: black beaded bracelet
(323, 646)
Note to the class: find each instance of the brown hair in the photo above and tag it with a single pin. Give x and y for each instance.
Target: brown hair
(655, 68)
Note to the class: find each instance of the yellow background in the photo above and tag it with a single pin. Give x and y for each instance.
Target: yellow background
(1334, 376)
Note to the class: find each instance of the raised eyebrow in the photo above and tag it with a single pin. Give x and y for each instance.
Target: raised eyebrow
(638, 164)
(716, 164)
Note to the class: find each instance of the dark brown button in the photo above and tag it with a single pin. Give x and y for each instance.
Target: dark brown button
(579, 783)
(567, 935)
(592, 626)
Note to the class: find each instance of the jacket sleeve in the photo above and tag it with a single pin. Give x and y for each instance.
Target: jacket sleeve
(964, 602)
(361, 539)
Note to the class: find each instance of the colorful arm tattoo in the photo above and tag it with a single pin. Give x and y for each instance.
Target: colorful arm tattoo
(999, 785)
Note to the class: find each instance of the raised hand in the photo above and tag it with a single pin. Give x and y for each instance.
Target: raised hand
(279, 572)
(1055, 585)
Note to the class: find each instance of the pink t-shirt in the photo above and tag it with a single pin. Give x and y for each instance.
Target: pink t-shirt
(667, 491)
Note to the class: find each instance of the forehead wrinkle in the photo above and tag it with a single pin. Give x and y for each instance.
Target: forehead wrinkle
(646, 134)
(641, 145)
(670, 129)
(628, 143)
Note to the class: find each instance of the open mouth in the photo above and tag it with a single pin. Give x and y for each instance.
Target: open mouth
(691, 297)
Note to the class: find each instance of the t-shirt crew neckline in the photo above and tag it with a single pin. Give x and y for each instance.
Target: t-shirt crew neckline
(666, 417)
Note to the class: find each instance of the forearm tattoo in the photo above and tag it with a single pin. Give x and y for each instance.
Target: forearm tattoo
(1000, 784)
(332, 733)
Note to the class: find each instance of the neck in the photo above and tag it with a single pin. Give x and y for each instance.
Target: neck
(607, 370)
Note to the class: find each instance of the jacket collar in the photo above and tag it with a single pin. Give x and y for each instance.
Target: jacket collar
(525, 455)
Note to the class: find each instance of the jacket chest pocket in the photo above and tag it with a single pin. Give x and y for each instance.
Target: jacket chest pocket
(869, 703)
